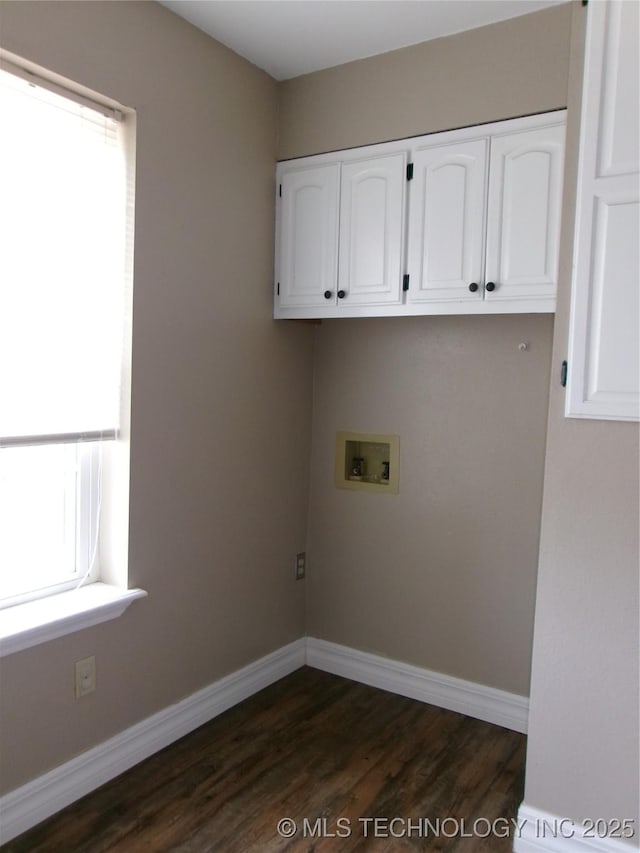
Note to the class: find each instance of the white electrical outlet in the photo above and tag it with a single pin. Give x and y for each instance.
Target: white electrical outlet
(85, 676)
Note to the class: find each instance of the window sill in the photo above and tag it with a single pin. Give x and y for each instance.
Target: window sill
(36, 622)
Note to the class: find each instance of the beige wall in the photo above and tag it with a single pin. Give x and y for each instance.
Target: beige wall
(583, 749)
(508, 69)
(443, 575)
(221, 393)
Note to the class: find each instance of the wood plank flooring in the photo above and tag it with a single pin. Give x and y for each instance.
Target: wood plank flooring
(330, 754)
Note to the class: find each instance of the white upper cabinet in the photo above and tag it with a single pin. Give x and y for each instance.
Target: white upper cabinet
(471, 225)
(604, 333)
(484, 218)
(307, 251)
(447, 222)
(524, 211)
(340, 235)
(371, 230)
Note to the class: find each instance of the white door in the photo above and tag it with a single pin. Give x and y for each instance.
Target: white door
(371, 227)
(307, 265)
(523, 217)
(604, 337)
(446, 222)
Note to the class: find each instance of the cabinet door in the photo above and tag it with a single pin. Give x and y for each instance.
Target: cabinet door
(523, 219)
(308, 236)
(446, 222)
(371, 228)
(604, 348)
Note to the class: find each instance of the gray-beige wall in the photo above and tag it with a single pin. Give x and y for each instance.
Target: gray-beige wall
(421, 588)
(443, 575)
(508, 69)
(583, 750)
(221, 393)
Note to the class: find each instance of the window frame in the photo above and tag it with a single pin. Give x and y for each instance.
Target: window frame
(82, 506)
(103, 593)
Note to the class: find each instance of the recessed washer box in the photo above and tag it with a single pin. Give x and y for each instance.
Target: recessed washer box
(367, 462)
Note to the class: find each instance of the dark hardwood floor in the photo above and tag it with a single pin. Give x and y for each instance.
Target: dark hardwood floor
(328, 753)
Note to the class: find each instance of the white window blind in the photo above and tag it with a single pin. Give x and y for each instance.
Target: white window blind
(62, 266)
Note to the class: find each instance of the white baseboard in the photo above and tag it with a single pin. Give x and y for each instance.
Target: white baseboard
(537, 831)
(32, 803)
(455, 694)
(39, 799)
(542, 832)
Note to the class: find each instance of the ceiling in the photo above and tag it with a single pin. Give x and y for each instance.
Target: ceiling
(287, 38)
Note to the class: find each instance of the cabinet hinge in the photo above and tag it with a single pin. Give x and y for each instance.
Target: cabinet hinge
(563, 374)
(405, 282)
(409, 171)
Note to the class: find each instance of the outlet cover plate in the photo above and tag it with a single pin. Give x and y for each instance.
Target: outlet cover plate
(85, 680)
(301, 565)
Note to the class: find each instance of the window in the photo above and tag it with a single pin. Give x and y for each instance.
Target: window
(49, 506)
(65, 269)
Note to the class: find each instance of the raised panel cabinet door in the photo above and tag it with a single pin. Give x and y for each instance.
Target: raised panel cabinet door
(604, 328)
(372, 206)
(446, 222)
(523, 216)
(308, 236)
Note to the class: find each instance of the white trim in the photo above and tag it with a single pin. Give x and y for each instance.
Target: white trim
(543, 832)
(35, 622)
(455, 694)
(39, 799)
(422, 309)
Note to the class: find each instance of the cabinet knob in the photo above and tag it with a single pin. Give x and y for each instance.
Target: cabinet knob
(341, 294)
(473, 287)
(490, 286)
(328, 294)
